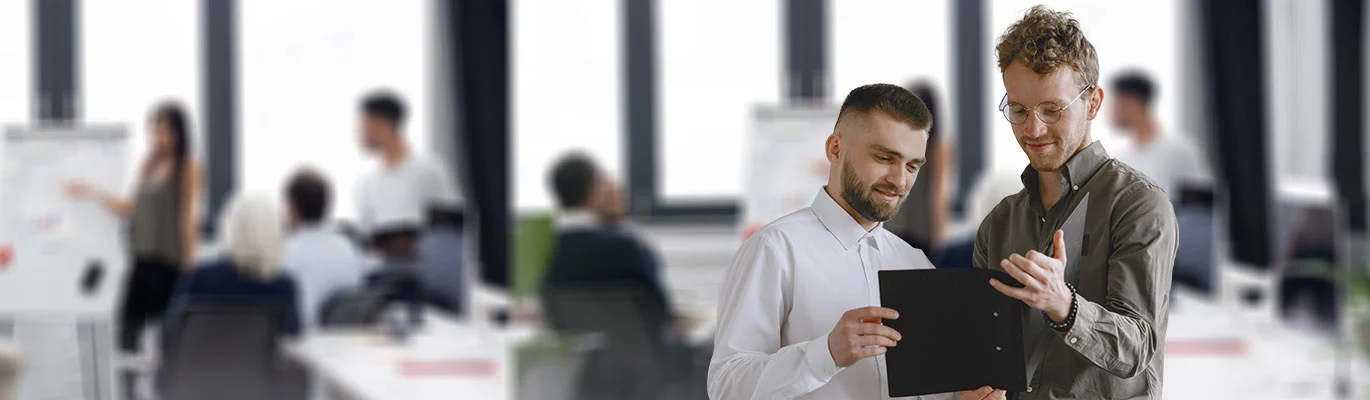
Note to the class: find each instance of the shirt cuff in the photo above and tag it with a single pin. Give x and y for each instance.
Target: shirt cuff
(1080, 334)
(819, 359)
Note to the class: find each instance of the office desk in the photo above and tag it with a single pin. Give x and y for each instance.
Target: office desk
(1211, 352)
(444, 360)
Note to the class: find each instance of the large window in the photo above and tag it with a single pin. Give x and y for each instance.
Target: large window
(890, 41)
(15, 50)
(304, 65)
(134, 55)
(717, 60)
(567, 90)
(1126, 35)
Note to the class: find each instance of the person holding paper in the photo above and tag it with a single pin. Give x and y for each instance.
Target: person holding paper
(798, 314)
(1092, 240)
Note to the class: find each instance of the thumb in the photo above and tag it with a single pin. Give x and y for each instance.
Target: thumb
(1058, 246)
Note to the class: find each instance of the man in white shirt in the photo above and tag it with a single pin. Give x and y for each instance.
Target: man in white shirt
(321, 260)
(799, 315)
(1169, 160)
(397, 195)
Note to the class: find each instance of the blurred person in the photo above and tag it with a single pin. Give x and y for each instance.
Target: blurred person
(1098, 320)
(798, 314)
(251, 266)
(321, 260)
(1168, 159)
(161, 213)
(10, 366)
(590, 246)
(394, 199)
(924, 218)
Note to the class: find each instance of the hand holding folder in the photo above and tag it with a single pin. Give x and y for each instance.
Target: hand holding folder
(959, 333)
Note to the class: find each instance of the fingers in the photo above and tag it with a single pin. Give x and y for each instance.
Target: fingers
(1017, 293)
(872, 340)
(1030, 267)
(1058, 246)
(1017, 272)
(998, 395)
(1042, 260)
(867, 313)
(879, 330)
(977, 394)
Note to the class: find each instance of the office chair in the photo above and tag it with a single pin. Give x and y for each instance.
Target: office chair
(223, 348)
(636, 360)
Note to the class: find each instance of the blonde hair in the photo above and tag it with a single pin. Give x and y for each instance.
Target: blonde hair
(1044, 40)
(254, 234)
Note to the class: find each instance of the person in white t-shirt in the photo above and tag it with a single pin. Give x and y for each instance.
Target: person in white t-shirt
(394, 199)
(1169, 160)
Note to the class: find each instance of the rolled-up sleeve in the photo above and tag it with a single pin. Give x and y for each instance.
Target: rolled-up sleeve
(748, 360)
(1121, 334)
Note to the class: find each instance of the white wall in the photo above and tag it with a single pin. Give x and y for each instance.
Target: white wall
(1297, 75)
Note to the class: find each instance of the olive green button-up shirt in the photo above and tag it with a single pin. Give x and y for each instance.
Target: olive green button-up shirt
(1120, 262)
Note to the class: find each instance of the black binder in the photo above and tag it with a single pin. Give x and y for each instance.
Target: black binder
(958, 332)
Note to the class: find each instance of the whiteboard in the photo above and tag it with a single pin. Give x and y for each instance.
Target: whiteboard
(48, 240)
(785, 166)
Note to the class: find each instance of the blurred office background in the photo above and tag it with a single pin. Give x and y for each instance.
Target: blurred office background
(675, 100)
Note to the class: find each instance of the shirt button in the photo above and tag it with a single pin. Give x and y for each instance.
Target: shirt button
(1073, 340)
(1029, 389)
(1076, 187)
(996, 313)
(1044, 219)
(997, 348)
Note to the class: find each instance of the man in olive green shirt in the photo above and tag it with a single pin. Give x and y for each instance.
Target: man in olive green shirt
(1092, 240)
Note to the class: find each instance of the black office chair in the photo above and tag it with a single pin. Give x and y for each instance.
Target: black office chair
(224, 348)
(635, 359)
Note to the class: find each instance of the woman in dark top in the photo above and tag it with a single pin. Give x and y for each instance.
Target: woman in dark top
(161, 214)
(923, 220)
(251, 264)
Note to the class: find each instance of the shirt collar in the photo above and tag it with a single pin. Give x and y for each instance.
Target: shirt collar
(577, 220)
(1078, 169)
(842, 226)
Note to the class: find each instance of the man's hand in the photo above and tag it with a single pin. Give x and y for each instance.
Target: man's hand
(1043, 278)
(983, 393)
(859, 334)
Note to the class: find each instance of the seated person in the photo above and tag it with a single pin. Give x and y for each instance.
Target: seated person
(321, 260)
(590, 246)
(253, 241)
(9, 370)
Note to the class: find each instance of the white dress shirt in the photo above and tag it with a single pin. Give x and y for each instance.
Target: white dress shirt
(322, 262)
(786, 287)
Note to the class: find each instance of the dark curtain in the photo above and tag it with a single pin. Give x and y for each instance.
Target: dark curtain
(1348, 105)
(1236, 98)
(481, 81)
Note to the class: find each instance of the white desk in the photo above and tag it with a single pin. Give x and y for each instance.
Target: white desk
(444, 360)
(1213, 353)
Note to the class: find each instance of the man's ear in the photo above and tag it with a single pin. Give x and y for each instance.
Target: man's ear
(1096, 102)
(833, 147)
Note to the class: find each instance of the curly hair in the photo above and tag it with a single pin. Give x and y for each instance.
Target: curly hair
(1044, 40)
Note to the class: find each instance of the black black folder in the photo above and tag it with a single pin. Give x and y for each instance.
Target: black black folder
(958, 332)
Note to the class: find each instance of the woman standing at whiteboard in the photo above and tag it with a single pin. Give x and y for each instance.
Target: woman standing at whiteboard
(160, 211)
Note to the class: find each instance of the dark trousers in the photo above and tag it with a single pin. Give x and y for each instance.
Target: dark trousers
(145, 298)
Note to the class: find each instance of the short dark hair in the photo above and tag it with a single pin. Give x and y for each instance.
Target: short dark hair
(896, 102)
(384, 105)
(573, 177)
(308, 194)
(1136, 84)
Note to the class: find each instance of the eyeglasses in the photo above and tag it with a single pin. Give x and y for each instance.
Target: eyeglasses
(1047, 111)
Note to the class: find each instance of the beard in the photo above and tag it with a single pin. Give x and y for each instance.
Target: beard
(857, 194)
(1056, 158)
